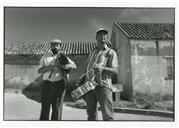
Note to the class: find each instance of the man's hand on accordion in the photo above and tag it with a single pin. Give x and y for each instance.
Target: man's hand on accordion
(99, 68)
(82, 80)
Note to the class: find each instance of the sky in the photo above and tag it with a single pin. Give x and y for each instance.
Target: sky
(74, 24)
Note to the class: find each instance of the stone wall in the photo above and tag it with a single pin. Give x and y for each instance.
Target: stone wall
(149, 75)
(149, 66)
(16, 70)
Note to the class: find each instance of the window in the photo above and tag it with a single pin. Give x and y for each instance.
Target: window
(170, 67)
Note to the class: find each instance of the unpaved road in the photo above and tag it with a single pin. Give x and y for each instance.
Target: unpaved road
(19, 107)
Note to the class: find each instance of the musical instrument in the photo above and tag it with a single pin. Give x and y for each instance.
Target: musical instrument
(83, 89)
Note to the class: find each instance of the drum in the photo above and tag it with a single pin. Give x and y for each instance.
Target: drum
(83, 89)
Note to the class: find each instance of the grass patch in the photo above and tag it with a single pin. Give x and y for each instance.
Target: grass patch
(150, 102)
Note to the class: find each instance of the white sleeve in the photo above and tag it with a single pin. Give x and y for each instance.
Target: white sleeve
(41, 62)
(71, 63)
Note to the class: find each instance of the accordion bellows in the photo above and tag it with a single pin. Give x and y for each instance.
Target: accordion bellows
(83, 89)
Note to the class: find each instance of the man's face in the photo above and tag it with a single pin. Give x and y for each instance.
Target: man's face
(101, 38)
(55, 47)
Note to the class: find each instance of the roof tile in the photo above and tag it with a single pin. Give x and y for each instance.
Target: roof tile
(148, 30)
(37, 48)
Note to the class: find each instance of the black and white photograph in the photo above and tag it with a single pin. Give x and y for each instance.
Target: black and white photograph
(85, 64)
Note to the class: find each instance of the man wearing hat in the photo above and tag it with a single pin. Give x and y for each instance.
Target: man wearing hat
(103, 61)
(54, 81)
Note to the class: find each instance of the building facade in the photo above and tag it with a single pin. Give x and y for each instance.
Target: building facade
(146, 57)
(22, 58)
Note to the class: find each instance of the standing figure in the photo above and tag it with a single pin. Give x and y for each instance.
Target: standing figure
(103, 61)
(54, 69)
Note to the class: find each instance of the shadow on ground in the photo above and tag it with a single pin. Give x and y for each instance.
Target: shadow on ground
(33, 91)
(140, 101)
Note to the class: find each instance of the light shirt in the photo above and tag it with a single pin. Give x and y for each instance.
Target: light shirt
(57, 73)
(106, 57)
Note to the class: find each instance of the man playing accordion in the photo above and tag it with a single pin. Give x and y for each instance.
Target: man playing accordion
(102, 63)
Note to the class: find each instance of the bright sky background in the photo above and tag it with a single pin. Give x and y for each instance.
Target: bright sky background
(74, 24)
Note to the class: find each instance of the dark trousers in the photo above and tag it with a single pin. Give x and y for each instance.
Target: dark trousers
(52, 94)
(103, 95)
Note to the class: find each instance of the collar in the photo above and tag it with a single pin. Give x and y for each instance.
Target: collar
(104, 48)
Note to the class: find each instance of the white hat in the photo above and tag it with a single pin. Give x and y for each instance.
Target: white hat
(102, 30)
(56, 41)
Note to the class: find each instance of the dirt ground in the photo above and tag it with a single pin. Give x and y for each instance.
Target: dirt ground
(17, 106)
(140, 101)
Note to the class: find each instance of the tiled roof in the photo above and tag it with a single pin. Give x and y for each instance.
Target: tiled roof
(37, 48)
(148, 30)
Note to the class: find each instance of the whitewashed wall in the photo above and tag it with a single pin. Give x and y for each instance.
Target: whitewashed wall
(148, 69)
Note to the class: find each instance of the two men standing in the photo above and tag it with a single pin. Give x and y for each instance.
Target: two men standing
(103, 62)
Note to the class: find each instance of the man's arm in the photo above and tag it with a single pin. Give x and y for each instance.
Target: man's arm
(113, 69)
(44, 69)
(71, 65)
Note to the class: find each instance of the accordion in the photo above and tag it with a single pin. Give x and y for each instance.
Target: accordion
(83, 89)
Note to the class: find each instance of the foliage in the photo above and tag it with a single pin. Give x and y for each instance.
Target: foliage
(152, 102)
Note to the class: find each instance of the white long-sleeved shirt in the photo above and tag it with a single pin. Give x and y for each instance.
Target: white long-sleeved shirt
(57, 74)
